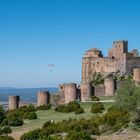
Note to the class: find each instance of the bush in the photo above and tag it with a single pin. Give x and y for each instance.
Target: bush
(22, 112)
(71, 107)
(2, 114)
(6, 138)
(117, 117)
(32, 135)
(1, 132)
(44, 107)
(6, 130)
(73, 135)
(12, 119)
(97, 108)
(79, 111)
(94, 98)
(32, 116)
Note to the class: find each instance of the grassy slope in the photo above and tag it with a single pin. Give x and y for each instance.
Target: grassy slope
(44, 116)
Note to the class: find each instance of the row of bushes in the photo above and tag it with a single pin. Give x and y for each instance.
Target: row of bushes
(71, 107)
(75, 107)
(15, 117)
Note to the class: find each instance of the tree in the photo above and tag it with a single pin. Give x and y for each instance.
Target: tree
(128, 96)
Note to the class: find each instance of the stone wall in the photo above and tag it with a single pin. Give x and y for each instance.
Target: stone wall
(99, 90)
(132, 63)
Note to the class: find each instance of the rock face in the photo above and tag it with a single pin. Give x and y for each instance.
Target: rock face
(43, 98)
(13, 102)
(119, 60)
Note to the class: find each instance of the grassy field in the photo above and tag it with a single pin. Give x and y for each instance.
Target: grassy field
(51, 114)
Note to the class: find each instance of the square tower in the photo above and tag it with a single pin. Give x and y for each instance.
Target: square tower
(119, 48)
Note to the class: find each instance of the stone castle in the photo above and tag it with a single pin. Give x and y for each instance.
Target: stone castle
(119, 60)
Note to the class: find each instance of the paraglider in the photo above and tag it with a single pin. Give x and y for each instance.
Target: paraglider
(51, 67)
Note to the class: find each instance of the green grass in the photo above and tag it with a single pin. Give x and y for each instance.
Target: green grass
(107, 97)
(51, 114)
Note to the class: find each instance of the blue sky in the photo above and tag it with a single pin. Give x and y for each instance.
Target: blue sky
(35, 33)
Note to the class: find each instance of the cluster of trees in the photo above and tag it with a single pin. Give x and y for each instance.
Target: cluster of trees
(71, 107)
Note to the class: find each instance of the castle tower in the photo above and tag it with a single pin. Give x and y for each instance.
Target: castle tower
(43, 98)
(70, 92)
(119, 48)
(13, 102)
(88, 64)
(109, 87)
(61, 91)
(136, 74)
(86, 91)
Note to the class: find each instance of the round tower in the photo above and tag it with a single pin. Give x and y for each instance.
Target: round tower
(61, 91)
(43, 98)
(13, 102)
(109, 87)
(86, 91)
(70, 92)
(136, 74)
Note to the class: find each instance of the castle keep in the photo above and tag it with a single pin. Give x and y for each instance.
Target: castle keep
(119, 60)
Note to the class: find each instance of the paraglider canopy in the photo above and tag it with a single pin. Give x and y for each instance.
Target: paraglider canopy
(51, 67)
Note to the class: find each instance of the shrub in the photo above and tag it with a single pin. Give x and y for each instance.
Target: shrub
(94, 98)
(32, 116)
(117, 118)
(12, 119)
(32, 135)
(6, 138)
(74, 105)
(71, 107)
(73, 135)
(61, 108)
(1, 131)
(6, 130)
(79, 111)
(44, 107)
(15, 122)
(22, 112)
(97, 108)
(2, 114)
